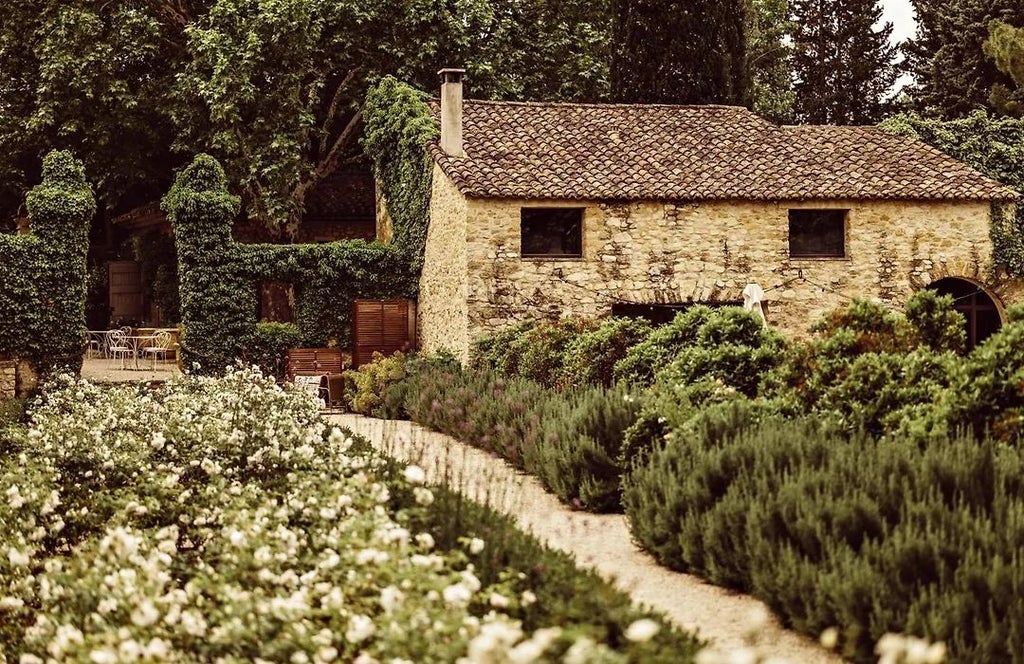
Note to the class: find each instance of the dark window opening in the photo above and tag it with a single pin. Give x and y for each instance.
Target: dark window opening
(662, 314)
(981, 315)
(817, 233)
(552, 232)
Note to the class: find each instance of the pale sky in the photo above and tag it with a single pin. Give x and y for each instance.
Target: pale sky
(901, 14)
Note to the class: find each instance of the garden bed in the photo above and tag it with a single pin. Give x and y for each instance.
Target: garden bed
(221, 518)
(865, 479)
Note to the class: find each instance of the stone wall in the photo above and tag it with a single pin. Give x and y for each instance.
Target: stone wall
(677, 253)
(8, 379)
(442, 309)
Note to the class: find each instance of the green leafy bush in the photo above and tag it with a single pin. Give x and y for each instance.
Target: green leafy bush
(366, 386)
(869, 535)
(874, 328)
(590, 358)
(268, 347)
(937, 324)
(870, 366)
(877, 391)
(727, 345)
(493, 353)
(661, 345)
(990, 396)
(538, 353)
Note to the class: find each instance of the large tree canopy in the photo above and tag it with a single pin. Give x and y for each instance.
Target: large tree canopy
(687, 52)
(86, 75)
(271, 87)
(953, 75)
(844, 64)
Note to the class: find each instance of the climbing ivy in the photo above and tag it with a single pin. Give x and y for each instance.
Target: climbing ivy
(220, 280)
(43, 275)
(399, 125)
(994, 146)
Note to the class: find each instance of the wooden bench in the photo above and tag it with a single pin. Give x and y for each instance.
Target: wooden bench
(325, 363)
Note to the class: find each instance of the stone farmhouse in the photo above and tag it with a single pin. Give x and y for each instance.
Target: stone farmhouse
(550, 209)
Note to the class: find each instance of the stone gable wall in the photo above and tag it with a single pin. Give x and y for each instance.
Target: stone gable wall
(671, 253)
(442, 308)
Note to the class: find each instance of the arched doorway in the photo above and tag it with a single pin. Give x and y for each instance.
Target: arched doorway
(977, 306)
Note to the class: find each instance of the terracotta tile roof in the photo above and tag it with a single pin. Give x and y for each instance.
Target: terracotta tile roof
(658, 152)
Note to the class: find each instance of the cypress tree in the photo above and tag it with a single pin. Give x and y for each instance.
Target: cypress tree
(682, 52)
(844, 66)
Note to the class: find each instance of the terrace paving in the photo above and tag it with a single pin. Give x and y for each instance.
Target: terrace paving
(101, 370)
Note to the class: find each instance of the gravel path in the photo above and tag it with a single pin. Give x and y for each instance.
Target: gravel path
(599, 541)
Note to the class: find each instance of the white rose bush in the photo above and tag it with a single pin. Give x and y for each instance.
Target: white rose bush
(220, 519)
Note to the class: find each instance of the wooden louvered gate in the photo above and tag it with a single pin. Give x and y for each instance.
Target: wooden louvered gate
(382, 326)
(125, 291)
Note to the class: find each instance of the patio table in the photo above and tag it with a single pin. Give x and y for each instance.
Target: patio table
(138, 342)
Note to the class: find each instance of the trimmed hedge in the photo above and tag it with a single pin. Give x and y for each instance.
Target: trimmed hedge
(42, 301)
(268, 347)
(220, 279)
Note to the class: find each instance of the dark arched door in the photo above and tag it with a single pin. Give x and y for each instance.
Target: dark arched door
(977, 306)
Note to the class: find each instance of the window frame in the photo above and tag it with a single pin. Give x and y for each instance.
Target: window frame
(845, 224)
(524, 212)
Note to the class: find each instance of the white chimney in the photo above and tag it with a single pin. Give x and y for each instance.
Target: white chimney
(451, 111)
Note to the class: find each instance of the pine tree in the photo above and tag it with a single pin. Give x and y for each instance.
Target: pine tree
(844, 65)
(953, 76)
(681, 52)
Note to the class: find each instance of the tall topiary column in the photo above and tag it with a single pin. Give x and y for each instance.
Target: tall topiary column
(216, 312)
(43, 275)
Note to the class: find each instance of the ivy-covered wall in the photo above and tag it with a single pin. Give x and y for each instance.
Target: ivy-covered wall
(398, 126)
(43, 274)
(994, 146)
(220, 279)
